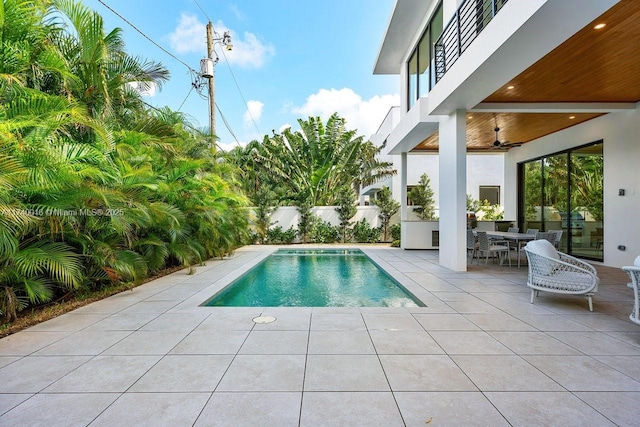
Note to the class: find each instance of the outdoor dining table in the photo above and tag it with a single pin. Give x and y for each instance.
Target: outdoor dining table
(514, 237)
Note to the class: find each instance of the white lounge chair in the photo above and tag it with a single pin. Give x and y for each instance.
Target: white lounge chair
(634, 274)
(553, 271)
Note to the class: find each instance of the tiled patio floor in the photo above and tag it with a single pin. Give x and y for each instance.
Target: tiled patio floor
(478, 354)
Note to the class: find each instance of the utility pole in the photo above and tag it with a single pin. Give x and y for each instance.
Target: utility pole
(212, 89)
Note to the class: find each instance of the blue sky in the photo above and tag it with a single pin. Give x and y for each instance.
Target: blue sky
(291, 59)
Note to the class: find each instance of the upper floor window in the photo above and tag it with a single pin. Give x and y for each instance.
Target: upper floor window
(420, 67)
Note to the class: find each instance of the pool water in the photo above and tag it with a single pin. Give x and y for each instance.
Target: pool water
(315, 278)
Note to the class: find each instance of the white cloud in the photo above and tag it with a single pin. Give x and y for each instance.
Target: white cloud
(253, 113)
(363, 115)
(190, 37)
(144, 89)
(247, 52)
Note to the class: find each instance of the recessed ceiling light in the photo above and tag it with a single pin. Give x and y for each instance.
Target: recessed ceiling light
(572, 117)
(600, 26)
(469, 117)
(510, 87)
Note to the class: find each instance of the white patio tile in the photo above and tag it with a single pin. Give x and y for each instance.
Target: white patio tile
(176, 322)
(504, 373)
(211, 342)
(264, 373)
(11, 400)
(146, 343)
(122, 322)
(84, 343)
(26, 342)
(628, 365)
(546, 409)
(468, 342)
(34, 373)
(445, 322)
(340, 342)
(424, 373)
(276, 342)
(391, 322)
(620, 407)
(498, 322)
(344, 373)
(287, 319)
(270, 409)
(184, 373)
(104, 374)
(583, 373)
(349, 409)
(552, 322)
(68, 322)
(595, 343)
(533, 343)
(59, 410)
(337, 322)
(153, 409)
(404, 342)
(445, 408)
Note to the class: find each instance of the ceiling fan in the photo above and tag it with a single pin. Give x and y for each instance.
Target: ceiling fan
(497, 145)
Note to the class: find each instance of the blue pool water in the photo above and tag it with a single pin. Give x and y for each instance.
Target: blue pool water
(315, 278)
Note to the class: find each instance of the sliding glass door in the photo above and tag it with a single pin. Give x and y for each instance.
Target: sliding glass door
(564, 191)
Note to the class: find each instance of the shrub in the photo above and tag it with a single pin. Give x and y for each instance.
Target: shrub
(324, 232)
(394, 230)
(276, 235)
(364, 233)
(395, 244)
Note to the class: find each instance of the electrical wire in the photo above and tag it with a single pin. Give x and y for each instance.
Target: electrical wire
(196, 77)
(202, 10)
(148, 38)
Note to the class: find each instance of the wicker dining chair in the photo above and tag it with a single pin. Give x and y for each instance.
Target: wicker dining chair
(487, 247)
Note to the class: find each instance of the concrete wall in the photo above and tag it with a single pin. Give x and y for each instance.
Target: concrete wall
(288, 216)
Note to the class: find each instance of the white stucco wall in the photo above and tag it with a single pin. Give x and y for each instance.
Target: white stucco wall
(619, 131)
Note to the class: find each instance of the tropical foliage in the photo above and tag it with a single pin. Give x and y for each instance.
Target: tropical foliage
(388, 207)
(422, 196)
(95, 186)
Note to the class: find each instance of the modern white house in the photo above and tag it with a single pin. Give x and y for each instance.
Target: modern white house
(553, 85)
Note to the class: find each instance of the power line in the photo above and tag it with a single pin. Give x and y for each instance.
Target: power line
(148, 38)
(196, 83)
(202, 10)
(230, 71)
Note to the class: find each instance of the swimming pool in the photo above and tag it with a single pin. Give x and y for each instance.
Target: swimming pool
(315, 278)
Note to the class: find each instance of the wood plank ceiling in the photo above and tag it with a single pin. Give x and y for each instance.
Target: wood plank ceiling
(592, 66)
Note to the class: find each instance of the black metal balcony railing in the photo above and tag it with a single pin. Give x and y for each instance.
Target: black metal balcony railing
(469, 20)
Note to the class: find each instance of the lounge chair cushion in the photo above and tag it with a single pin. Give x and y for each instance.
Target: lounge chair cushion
(544, 248)
(637, 261)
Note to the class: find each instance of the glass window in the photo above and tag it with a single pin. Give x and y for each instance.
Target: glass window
(424, 58)
(413, 82)
(564, 191)
(490, 193)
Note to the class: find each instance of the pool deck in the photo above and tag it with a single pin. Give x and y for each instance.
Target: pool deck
(478, 354)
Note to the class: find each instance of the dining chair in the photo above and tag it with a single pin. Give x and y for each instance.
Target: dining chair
(519, 245)
(513, 230)
(558, 233)
(550, 236)
(486, 247)
(472, 243)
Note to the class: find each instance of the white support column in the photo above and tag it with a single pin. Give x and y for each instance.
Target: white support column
(403, 200)
(453, 187)
(403, 186)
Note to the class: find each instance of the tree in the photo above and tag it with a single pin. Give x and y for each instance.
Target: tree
(388, 207)
(422, 195)
(346, 210)
(317, 161)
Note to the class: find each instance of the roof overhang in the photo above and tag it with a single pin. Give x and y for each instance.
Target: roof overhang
(405, 21)
(413, 128)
